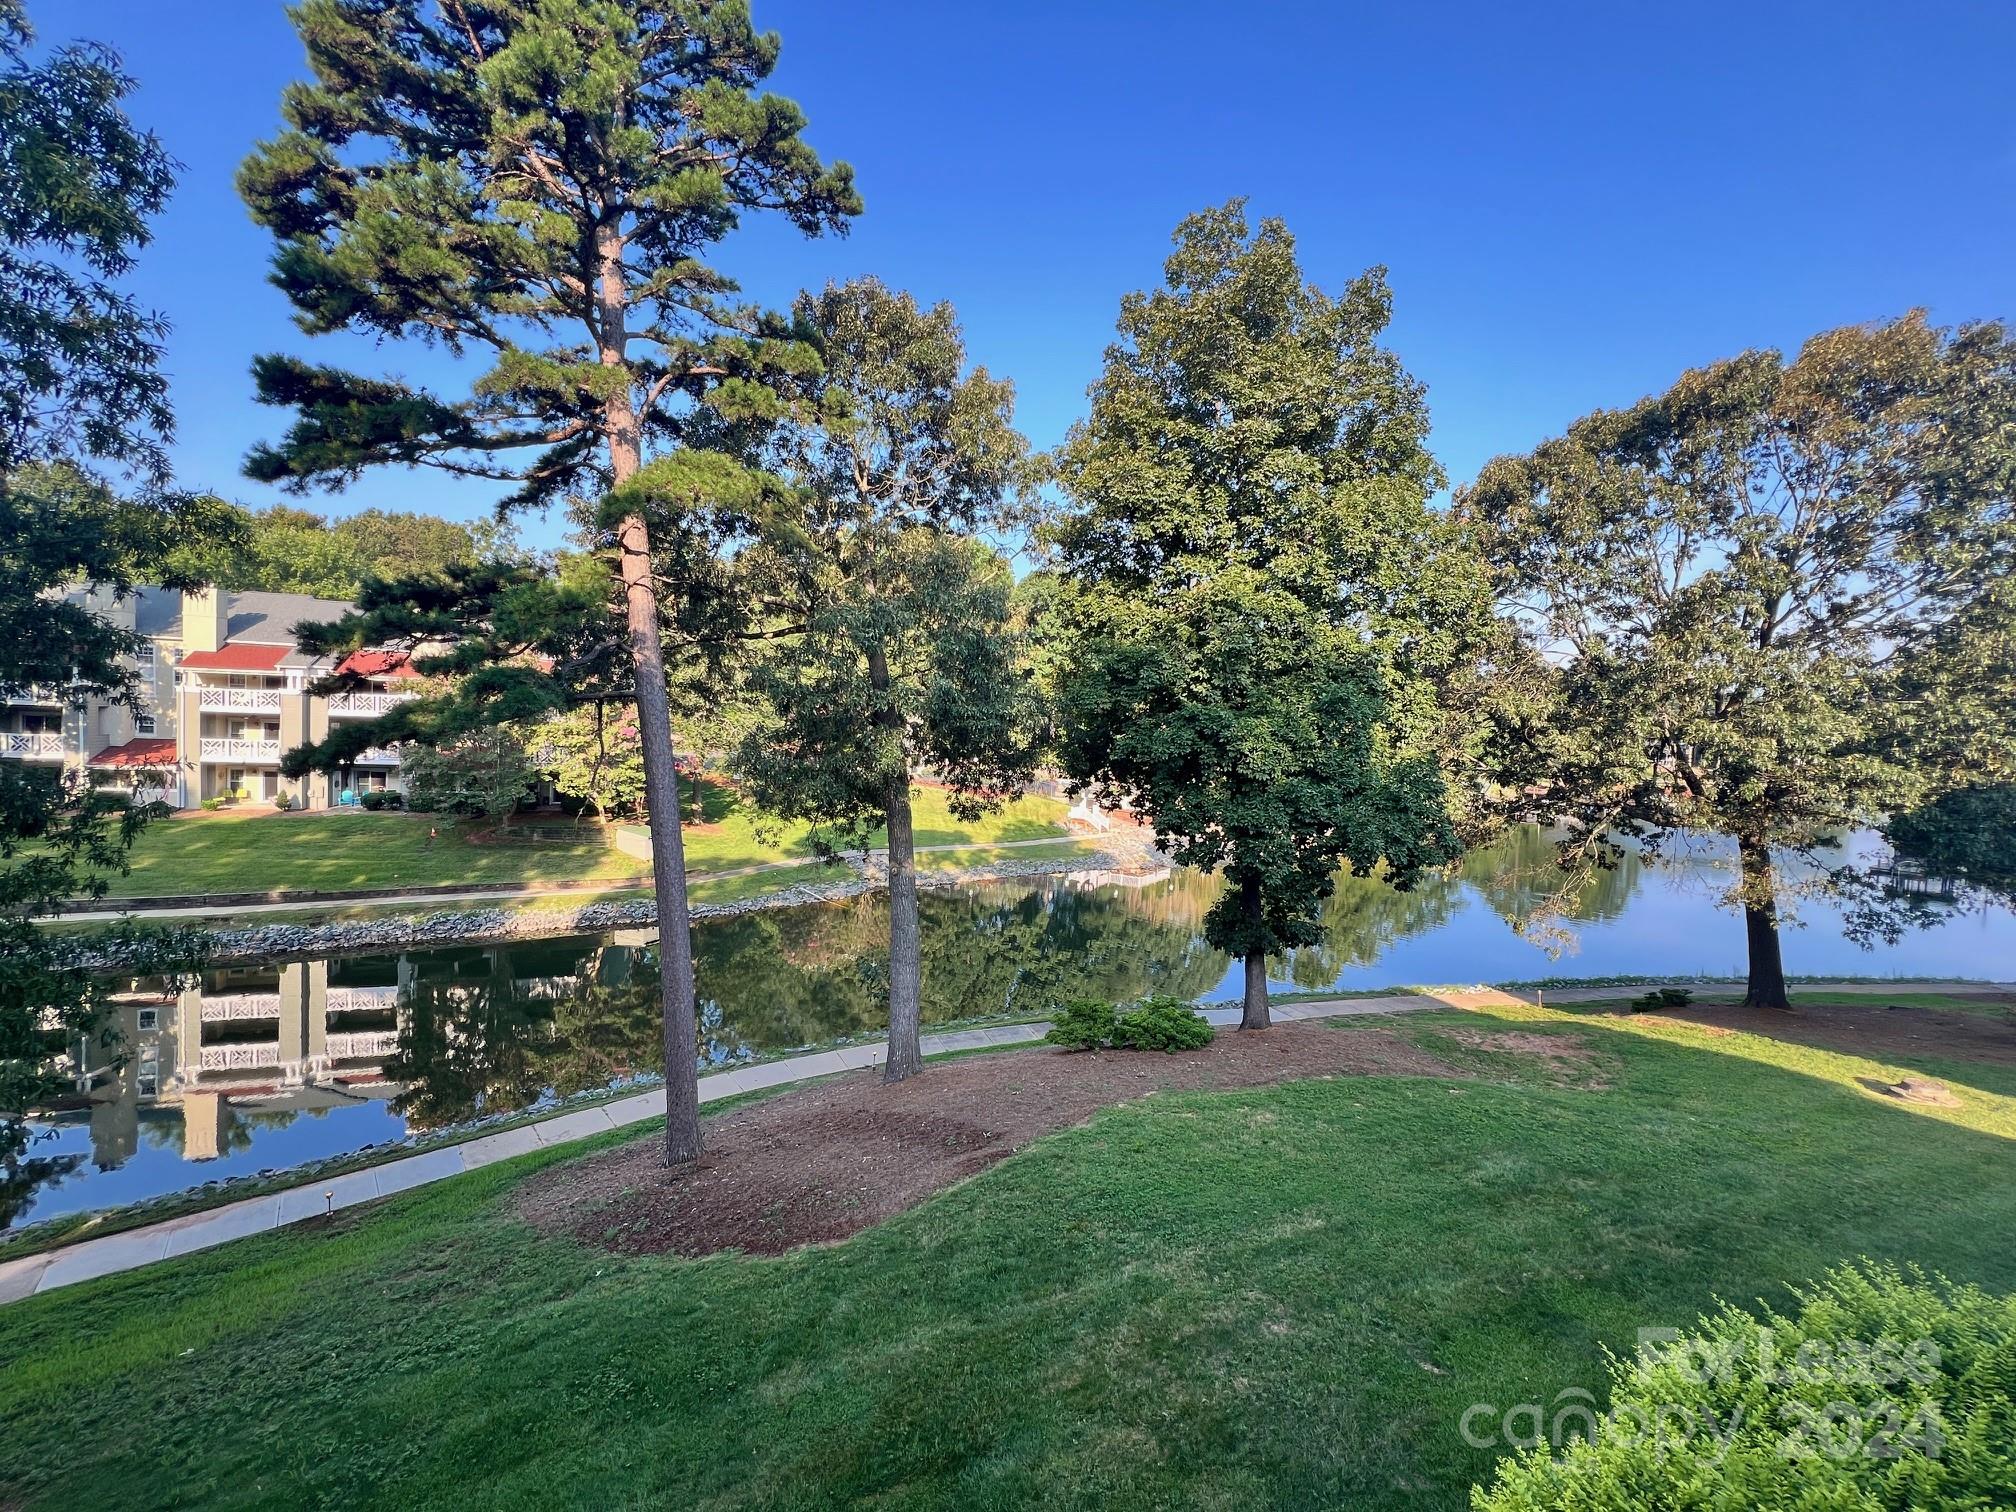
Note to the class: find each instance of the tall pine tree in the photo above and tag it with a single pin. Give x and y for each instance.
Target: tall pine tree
(537, 182)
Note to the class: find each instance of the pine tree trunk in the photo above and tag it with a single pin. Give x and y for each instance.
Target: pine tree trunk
(1253, 1012)
(1760, 925)
(654, 725)
(906, 966)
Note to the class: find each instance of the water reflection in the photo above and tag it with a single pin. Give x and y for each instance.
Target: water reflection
(269, 1066)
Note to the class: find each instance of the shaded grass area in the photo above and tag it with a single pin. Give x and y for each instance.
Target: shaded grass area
(259, 851)
(1286, 1297)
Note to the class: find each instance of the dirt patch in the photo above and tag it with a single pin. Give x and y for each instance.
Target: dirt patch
(1565, 1059)
(1875, 1029)
(1913, 1089)
(817, 1165)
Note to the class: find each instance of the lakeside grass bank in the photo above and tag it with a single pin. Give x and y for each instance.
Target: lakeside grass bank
(1284, 1297)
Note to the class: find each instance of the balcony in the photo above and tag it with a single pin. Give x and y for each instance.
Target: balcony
(35, 746)
(223, 749)
(377, 756)
(241, 1005)
(365, 705)
(239, 1057)
(362, 999)
(349, 1046)
(38, 697)
(238, 700)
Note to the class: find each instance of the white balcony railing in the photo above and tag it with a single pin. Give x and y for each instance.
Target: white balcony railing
(38, 746)
(377, 756)
(346, 1046)
(42, 696)
(238, 700)
(239, 1057)
(362, 999)
(365, 705)
(221, 749)
(241, 1005)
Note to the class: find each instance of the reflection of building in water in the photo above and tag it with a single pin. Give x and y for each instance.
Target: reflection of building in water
(265, 1043)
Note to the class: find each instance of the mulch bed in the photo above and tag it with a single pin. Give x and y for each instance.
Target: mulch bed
(1875, 1029)
(817, 1165)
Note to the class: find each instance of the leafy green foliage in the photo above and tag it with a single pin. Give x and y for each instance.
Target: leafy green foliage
(896, 649)
(1262, 615)
(594, 753)
(288, 550)
(483, 774)
(81, 399)
(1778, 597)
(1161, 1023)
(1662, 997)
(1082, 1024)
(1885, 1388)
(1969, 833)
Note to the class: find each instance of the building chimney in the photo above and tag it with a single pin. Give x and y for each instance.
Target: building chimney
(205, 620)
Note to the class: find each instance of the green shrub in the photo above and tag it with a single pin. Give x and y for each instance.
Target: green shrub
(1161, 1023)
(283, 802)
(371, 798)
(1662, 997)
(211, 805)
(1086, 1024)
(1886, 1389)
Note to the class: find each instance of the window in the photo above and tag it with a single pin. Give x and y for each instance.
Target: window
(143, 724)
(145, 654)
(150, 1020)
(149, 1078)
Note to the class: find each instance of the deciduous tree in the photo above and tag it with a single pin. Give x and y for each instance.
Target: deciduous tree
(897, 652)
(84, 422)
(1263, 611)
(1777, 598)
(539, 181)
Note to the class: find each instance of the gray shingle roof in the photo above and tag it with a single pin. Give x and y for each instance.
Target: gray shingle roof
(268, 619)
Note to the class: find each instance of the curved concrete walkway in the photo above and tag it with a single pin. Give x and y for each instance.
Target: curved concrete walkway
(34, 1274)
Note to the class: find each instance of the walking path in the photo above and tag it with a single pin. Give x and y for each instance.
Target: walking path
(138, 907)
(34, 1274)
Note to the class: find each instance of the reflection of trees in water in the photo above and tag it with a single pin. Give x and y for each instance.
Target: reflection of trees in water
(23, 1178)
(775, 979)
(1520, 876)
(1361, 919)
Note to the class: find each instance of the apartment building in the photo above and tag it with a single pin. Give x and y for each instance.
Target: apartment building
(224, 694)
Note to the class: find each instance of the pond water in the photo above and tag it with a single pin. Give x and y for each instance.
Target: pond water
(268, 1066)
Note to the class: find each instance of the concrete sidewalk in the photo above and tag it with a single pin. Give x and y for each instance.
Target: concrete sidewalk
(34, 1274)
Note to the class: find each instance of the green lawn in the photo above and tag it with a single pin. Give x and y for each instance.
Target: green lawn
(257, 851)
(1277, 1298)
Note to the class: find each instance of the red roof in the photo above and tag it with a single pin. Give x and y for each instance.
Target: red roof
(137, 753)
(238, 658)
(377, 664)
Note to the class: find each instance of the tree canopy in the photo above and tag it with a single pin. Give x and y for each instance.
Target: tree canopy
(84, 423)
(1777, 598)
(285, 549)
(1262, 608)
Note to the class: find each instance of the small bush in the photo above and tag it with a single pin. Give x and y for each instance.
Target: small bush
(372, 799)
(1886, 1389)
(1662, 997)
(211, 805)
(283, 802)
(393, 798)
(1161, 1023)
(1086, 1024)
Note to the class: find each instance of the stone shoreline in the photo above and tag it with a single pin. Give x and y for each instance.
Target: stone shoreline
(1131, 853)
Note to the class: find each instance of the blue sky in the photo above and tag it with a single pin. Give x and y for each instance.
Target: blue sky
(1576, 202)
